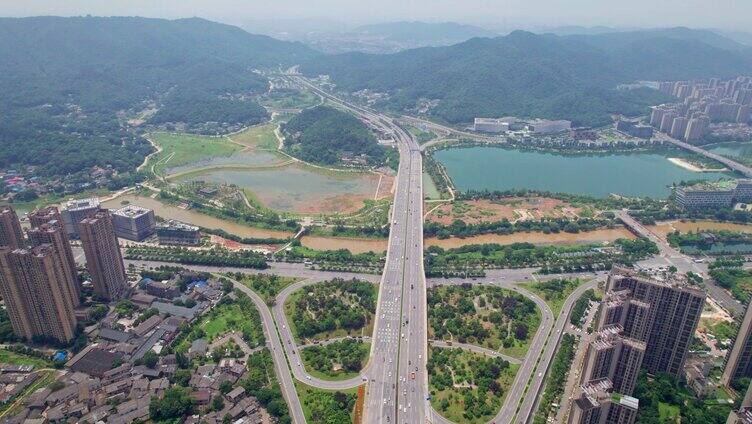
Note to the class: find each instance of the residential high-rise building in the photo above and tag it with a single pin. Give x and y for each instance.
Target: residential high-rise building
(643, 324)
(739, 358)
(663, 314)
(10, 228)
(614, 357)
(679, 128)
(599, 404)
(45, 215)
(75, 211)
(667, 121)
(52, 233)
(744, 113)
(696, 128)
(33, 288)
(656, 116)
(103, 257)
(744, 414)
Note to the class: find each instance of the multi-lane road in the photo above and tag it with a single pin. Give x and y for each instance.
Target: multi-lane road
(395, 376)
(397, 387)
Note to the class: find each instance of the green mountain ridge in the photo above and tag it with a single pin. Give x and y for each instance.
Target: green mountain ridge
(529, 75)
(66, 80)
(47, 58)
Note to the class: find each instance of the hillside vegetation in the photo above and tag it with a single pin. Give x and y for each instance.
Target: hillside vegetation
(530, 75)
(324, 135)
(69, 84)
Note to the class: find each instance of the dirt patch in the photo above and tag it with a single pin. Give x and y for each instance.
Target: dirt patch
(342, 203)
(387, 186)
(663, 228)
(513, 209)
(234, 245)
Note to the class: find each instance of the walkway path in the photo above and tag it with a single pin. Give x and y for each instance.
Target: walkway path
(476, 349)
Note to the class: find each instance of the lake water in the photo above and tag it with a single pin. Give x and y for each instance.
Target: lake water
(301, 189)
(736, 150)
(638, 174)
(250, 158)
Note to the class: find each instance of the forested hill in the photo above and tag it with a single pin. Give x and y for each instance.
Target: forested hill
(324, 135)
(107, 63)
(524, 74)
(69, 84)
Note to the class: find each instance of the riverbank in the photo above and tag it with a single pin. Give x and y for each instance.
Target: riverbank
(194, 218)
(689, 166)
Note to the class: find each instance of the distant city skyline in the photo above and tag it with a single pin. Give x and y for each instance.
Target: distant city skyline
(508, 14)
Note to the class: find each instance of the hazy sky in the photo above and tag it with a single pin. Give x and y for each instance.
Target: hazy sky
(725, 14)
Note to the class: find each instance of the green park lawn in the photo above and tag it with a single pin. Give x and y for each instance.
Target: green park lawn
(330, 362)
(290, 99)
(668, 413)
(183, 149)
(331, 309)
(260, 137)
(326, 406)
(267, 286)
(553, 292)
(485, 316)
(420, 135)
(429, 187)
(224, 318)
(13, 358)
(455, 384)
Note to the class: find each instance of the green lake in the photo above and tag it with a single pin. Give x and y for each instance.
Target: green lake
(734, 150)
(637, 174)
(296, 188)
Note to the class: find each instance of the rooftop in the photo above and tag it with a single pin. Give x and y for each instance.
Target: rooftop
(722, 185)
(176, 225)
(131, 211)
(91, 202)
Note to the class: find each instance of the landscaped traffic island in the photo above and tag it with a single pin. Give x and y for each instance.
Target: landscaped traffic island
(467, 387)
(338, 360)
(331, 309)
(487, 316)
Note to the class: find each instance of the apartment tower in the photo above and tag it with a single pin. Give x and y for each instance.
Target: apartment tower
(33, 288)
(743, 415)
(103, 258)
(644, 324)
(739, 359)
(53, 233)
(10, 229)
(45, 216)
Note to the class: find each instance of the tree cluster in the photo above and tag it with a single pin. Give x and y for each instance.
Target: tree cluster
(324, 135)
(333, 305)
